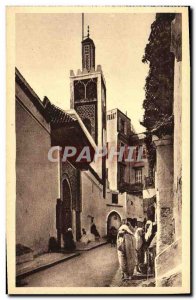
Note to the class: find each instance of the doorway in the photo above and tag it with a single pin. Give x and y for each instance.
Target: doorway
(66, 206)
(114, 220)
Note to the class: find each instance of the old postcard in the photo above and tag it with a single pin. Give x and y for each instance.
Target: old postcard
(98, 150)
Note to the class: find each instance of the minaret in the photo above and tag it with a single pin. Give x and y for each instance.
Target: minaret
(88, 97)
(88, 53)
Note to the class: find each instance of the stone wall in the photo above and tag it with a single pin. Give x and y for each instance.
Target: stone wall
(36, 177)
(92, 203)
(168, 265)
(177, 149)
(135, 207)
(169, 253)
(164, 192)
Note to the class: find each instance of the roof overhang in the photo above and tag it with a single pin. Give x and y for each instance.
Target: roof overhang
(74, 134)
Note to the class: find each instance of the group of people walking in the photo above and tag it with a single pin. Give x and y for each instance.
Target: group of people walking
(135, 247)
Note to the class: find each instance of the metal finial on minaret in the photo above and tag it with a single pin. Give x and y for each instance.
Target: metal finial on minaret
(88, 34)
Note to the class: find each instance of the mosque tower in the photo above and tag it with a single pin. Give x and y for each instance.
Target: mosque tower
(88, 97)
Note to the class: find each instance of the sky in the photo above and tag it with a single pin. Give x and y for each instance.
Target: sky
(48, 46)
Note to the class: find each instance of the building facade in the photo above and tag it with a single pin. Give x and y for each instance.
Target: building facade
(125, 177)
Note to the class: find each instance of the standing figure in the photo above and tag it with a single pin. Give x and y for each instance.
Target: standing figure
(69, 243)
(113, 236)
(139, 236)
(150, 231)
(152, 254)
(126, 247)
(84, 238)
(95, 231)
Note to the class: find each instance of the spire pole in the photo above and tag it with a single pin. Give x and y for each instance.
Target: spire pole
(82, 26)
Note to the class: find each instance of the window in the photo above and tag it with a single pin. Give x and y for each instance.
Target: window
(122, 126)
(91, 90)
(85, 89)
(87, 59)
(144, 153)
(86, 49)
(79, 90)
(122, 148)
(139, 153)
(121, 173)
(115, 198)
(112, 116)
(138, 176)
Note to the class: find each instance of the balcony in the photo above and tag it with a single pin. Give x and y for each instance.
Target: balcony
(130, 187)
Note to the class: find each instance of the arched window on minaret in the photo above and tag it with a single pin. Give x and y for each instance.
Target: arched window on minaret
(79, 90)
(91, 90)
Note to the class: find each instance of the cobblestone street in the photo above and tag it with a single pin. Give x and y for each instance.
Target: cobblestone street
(95, 268)
(92, 268)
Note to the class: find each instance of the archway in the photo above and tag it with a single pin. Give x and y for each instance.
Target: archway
(91, 90)
(114, 220)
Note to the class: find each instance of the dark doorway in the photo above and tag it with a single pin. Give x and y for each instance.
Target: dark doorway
(114, 220)
(78, 226)
(66, 206)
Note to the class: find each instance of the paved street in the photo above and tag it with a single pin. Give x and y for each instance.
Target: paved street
(94, 268)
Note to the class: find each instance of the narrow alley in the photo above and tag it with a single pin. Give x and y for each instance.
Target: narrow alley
(95, 268)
